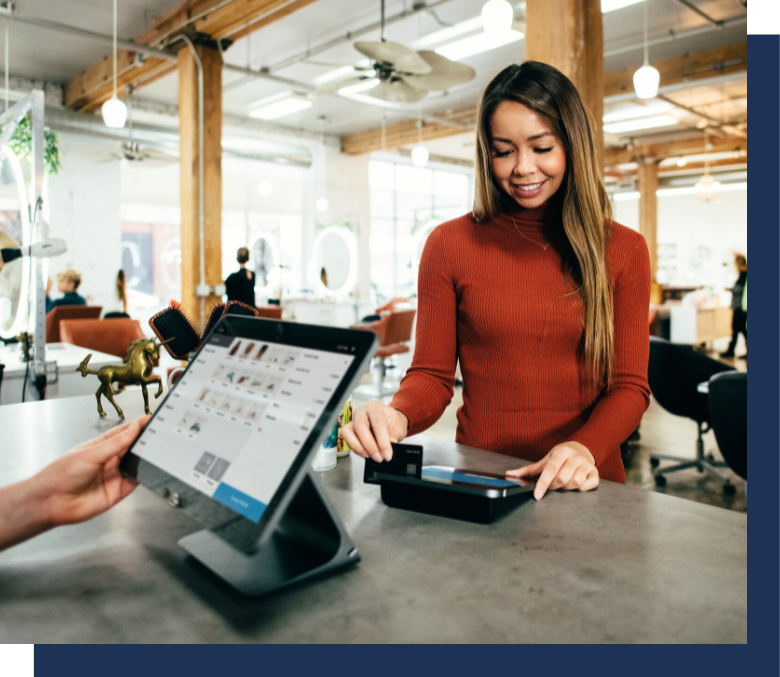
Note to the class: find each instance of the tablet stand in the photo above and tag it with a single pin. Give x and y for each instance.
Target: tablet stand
(309, 540)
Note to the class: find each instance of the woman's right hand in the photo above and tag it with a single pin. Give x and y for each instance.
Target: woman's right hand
(373, 427)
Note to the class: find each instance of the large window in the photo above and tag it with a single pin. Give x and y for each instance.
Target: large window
(406, 202)
(151, 252)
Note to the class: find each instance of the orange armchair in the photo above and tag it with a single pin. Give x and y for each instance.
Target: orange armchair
(395, 331)
(112, 336)
(60, 313)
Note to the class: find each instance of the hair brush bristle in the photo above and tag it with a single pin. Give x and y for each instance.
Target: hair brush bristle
(214, 316)
(174, 323)
(239, 308)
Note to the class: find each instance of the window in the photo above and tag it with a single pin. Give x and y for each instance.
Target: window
(405, 202)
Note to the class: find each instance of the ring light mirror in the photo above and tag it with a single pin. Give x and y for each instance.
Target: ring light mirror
(15, 275)
(333, 268)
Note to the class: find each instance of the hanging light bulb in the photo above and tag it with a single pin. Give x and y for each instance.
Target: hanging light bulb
(497, 17)
(707, 188)
(419, 152)
(114, 111)
(419, 156)
(646, 79)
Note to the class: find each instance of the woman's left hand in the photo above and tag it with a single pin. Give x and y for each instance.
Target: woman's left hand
(567, 466)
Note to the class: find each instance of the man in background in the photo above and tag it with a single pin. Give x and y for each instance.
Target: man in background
(68, 282)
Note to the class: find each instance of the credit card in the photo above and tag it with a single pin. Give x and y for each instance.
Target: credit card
(406, 462)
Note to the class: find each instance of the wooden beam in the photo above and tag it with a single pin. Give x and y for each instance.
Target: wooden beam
(668, 170)
(88, 90)
(661, 151)
(648, 209)
(575, 46)
(686, 68)
(189, 172)
(395, 136)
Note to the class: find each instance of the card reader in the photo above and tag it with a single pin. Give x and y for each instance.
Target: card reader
(439, 490)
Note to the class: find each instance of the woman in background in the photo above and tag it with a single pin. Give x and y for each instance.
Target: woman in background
(537, 292)
(120, 304)
(240, 286)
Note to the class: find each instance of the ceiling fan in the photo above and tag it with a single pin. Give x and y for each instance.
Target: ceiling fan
(404, 75)
(131, 150)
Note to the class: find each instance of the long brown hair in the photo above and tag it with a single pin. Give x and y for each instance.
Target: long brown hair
(121, 290)
(587, 212)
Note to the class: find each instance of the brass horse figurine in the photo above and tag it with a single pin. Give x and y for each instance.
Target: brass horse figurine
(136, 369)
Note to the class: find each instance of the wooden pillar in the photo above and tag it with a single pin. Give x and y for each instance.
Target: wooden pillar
(568, 34)
(212, 176)
(648, 209)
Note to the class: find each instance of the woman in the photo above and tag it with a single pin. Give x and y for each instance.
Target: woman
(119, 308)
(240, 286)
(538, 294)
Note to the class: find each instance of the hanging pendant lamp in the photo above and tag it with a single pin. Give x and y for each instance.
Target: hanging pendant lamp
(646, 79)
(114, 110)
(419, 152)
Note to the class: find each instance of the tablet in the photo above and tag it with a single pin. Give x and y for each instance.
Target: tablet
(234, 437)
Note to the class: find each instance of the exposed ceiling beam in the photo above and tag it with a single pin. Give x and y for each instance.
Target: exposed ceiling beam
(668, 149)
(216, 19)
(688, 168)
(683, 69)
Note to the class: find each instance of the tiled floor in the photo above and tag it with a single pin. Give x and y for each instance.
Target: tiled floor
(660, 432)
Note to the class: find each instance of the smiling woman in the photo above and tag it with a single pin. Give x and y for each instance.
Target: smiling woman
(538, 294)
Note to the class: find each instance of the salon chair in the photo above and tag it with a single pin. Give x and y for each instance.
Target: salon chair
(112, 336)
(727, 401)
(271, 312)
(60, 313)
(395, 331)
(674, 374)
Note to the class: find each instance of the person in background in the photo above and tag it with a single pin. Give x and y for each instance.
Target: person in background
(68, 282)
(75, 488)
(119, 308)
(739, 317)
(538, 293)
(240, 286)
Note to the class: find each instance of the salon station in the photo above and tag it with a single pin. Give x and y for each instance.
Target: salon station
(176, 173)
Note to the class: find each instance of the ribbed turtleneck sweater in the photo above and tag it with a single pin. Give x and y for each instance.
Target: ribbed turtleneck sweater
(492, 297)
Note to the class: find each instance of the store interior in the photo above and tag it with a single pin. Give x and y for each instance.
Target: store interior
(179, 131)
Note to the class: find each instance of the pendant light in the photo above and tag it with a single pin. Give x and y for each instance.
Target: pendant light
(497, 17)
(419, 152)
(646, 79)
(707, 189)
(114, 110)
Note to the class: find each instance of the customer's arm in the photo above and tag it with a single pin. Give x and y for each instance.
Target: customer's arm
(427, 387)
(77, 487)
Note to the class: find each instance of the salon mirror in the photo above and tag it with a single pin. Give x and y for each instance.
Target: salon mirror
(333, 266)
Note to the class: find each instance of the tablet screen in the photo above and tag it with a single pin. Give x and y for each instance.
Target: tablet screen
(239, 416)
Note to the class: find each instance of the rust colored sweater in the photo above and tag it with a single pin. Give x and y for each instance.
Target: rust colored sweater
(496, 301)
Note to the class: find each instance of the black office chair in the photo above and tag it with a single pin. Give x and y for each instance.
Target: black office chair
(674, 373)
(727, 399)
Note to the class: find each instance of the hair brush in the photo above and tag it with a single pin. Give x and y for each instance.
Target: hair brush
(173, 324)
(214, 316)
(239, 308)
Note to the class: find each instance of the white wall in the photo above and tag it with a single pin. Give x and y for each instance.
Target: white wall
(84, 201)
(706, 234)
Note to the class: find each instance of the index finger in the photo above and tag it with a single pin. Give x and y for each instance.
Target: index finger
(381, 433)
(548, 475)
